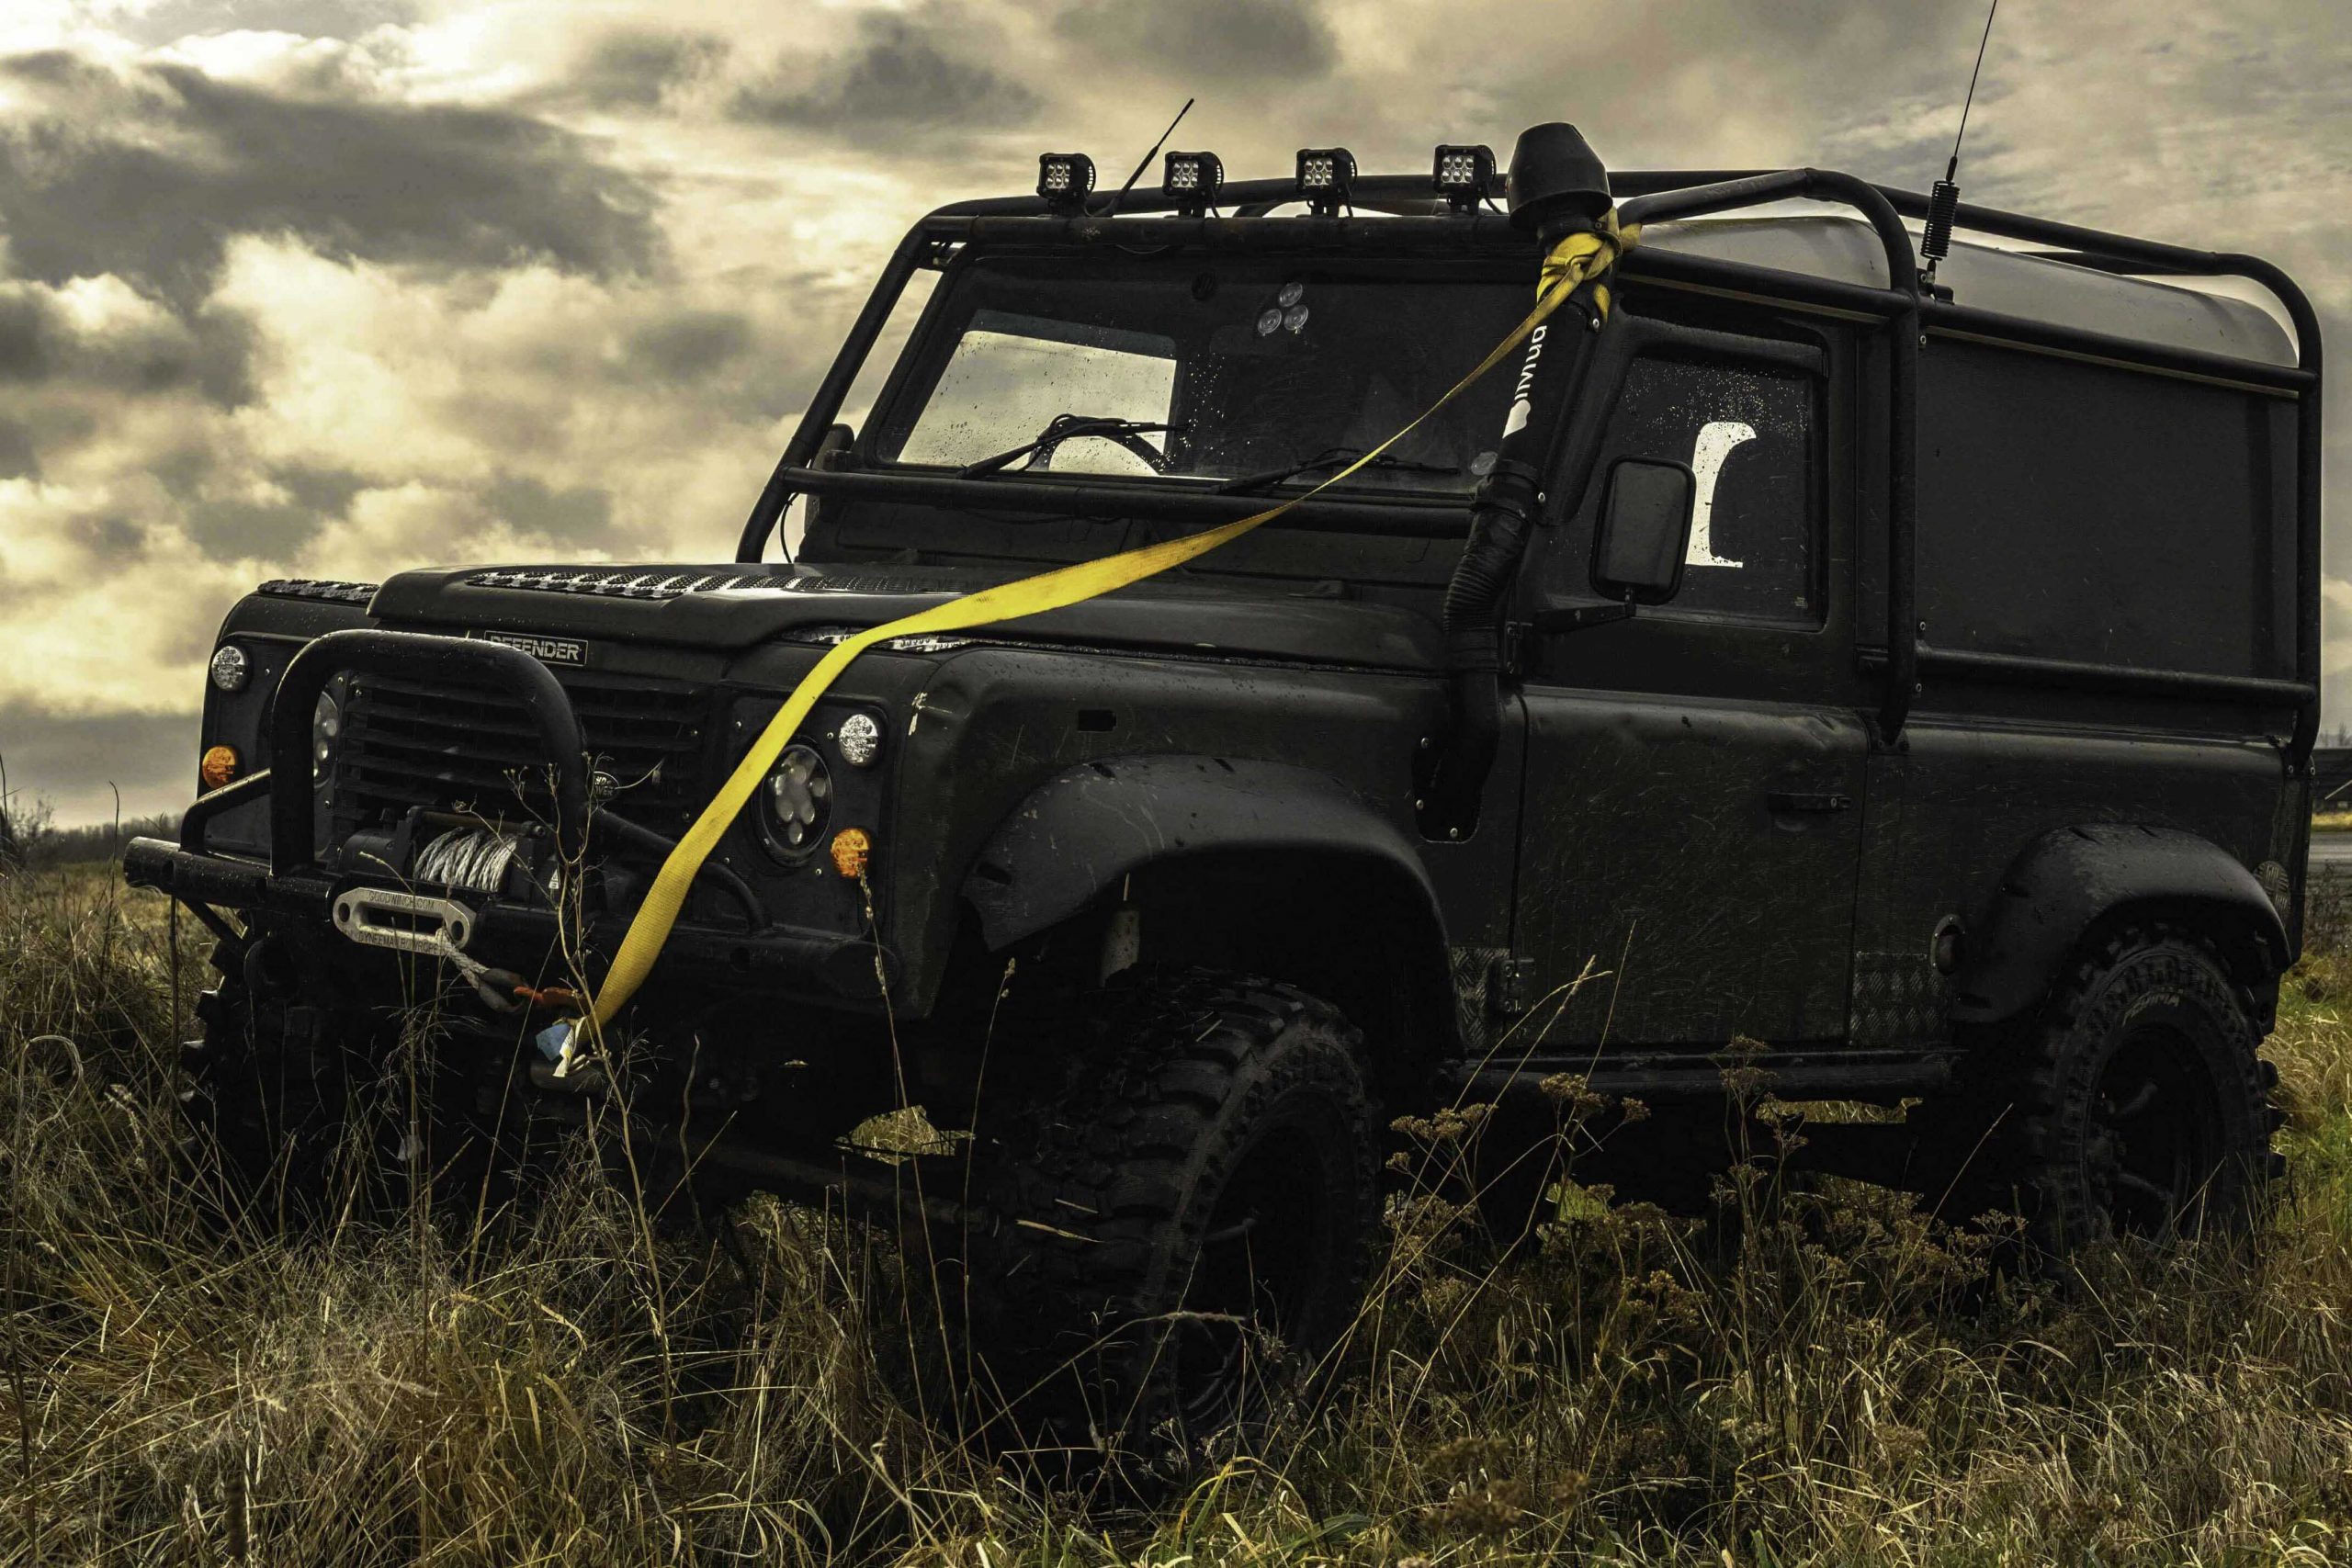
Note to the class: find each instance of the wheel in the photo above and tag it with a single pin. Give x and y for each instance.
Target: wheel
(2135, 1106)
(1182, 1226)
(261, 1105)
(304, 1112)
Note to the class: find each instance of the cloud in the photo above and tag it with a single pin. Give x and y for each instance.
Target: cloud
(17, 459)
(688, 345)
(902, 72)
(98, 333)
(148, 173)
(345, 286)
(71, 759)
(639, 67)
(1208, 44)
(174, 19)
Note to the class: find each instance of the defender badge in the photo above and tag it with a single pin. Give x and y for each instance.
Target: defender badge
(545, 650)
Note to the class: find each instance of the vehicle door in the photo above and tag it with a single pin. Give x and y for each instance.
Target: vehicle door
(1691, 823)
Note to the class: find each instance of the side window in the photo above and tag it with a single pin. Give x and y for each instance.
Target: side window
(2103, 515)
(1748, 430)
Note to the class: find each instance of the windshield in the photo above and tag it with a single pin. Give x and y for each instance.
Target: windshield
(1261, 366)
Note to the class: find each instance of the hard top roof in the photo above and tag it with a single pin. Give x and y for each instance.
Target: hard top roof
(2010, 282)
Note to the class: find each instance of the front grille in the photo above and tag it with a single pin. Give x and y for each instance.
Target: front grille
(453, 747)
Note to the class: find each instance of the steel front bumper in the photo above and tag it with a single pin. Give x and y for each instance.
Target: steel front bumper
(296, 887)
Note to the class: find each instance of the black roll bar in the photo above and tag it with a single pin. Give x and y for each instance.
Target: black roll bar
(417, 656)
(2093, 246)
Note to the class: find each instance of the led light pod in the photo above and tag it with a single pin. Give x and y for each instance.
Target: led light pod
(1191, 181)
(1325, 176)
(1065, 180)
(1463, 175)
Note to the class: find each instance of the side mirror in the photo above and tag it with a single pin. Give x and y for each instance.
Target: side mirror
(1645, 531)
(835, 446)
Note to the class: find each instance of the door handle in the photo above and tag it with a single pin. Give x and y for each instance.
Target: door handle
(1799, 800)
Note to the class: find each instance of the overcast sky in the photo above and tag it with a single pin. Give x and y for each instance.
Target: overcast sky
(331, 288)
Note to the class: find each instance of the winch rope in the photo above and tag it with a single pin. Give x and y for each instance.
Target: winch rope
(1581, 257)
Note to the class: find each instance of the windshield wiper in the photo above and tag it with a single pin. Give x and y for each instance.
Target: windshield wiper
(1126, 433)
(1333, 458)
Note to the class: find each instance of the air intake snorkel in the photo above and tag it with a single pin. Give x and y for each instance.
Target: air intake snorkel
(1557, 187)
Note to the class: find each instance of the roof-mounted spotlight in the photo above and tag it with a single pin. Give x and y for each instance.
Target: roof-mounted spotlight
(1191, 181)
(1325, 176)
(1463, 175)
(1065, 180)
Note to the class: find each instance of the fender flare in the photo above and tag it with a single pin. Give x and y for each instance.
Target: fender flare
(1083, 829)
(2073, 879)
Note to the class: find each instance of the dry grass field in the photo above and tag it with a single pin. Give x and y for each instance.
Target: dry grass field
(1814, 1376)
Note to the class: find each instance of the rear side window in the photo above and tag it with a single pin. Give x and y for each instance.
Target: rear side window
(2079, 511)
(1748, 430)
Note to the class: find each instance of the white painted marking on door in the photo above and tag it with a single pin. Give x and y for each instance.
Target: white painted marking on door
(1717, 438)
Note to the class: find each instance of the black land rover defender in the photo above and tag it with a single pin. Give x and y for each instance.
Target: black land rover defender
(1911, 676)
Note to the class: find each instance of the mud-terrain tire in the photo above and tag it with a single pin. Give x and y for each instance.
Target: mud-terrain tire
(296, 1116)
(1210, 1156)
(2136, 1104)
(261, 1114)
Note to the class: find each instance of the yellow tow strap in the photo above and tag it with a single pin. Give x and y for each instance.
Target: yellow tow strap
(1574, 260)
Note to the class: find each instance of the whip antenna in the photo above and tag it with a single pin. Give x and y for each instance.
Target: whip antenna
(1943, 198)
(1145, 163)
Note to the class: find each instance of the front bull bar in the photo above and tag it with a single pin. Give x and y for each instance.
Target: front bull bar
(293, 834)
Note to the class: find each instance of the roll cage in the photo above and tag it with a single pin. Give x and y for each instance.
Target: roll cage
(1904, 311)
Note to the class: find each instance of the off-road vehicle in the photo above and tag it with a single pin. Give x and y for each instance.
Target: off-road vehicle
(1909, 675)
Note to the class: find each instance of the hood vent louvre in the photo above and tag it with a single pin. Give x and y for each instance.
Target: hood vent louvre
(318, 588)
(622, 584)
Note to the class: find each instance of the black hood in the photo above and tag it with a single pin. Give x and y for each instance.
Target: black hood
(733, 607)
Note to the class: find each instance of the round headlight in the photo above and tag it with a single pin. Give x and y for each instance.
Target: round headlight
(326, 727)
(230, 669)
(860, 740)
(796, 801)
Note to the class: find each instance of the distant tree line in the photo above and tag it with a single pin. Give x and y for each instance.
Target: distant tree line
(32, 841)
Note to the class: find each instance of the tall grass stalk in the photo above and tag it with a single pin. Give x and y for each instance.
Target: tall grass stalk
(1811, 1374)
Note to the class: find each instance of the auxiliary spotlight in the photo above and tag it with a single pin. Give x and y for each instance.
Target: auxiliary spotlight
(1462, 175)
(1065, 180)
(1325, 176)
(1191, 181)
